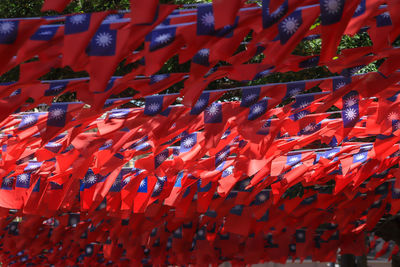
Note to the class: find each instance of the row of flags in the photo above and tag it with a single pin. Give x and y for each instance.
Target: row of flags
(293, 169)
(261, 231)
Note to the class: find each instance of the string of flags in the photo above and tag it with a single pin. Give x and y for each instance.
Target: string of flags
(285, 170)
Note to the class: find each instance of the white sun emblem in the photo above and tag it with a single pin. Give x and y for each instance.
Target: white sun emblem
(290, 25)
(262, 197)
(6, 27)
(204, 52)
(300, 235)
(212, 110)
(103, 39)
(350, 101)
(331, 154)
(163, 38)
(78, 19)
(157, 187)
(23, 178)
(301, 115)
(229, 170)
(28, 120)
(340, 85)
(160, 77)
(153, 107)
(188, 142)
(304, 104)
(294, 91)
(91, 179)
(332, 6)
(161, 158)
(309, 128)
(294, 159)
(208, 19)
(200, 232)
(258, 109)
(200, 103)
(8, 180)
(350, 114)
(355, 70)
(360, 157)
(358, 9)
(385, 15)
(112, 17)
(142, 183)
(222, 155)
(277, 13)
(45, 33)
(393, 116)
(251, 97)
(57, 113)
(396, 126)
(127, 180)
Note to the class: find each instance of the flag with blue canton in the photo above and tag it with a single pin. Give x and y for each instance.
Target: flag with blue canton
(57, 114)
(258, 109)
(265, 129)
(143, 186)
(269, 18)
(158, 78)
(28, 120)
(32, 166)
(56, 88)
(339, 82)
(395, 191)
(23, 180)
(159, 186)
(293, 159)
(162, 37)
(205, 20)
(261, 198)
(45, 33)
(188, 142)
(383, 20)
(309, 63)
(300, 236)
(360, 157)
(265, 217)
(7, 183)
(303, 101)
(8, 31)
(360, 9)
(382, 190)
(202, 57)
(222, 155)
(294, 88)
(331, 11)
(103, 43)
(213, 114)
(77, 23)
(201, 104)
(201, 233)
(250, 96)
(309, 200)
(91, 179)
(350, 111)
(206, 188)
(237, 210)
(288, 27)
(160, 158)
(299, 115)
(153, 104)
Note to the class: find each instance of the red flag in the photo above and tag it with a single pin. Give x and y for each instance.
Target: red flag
(56, 5)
